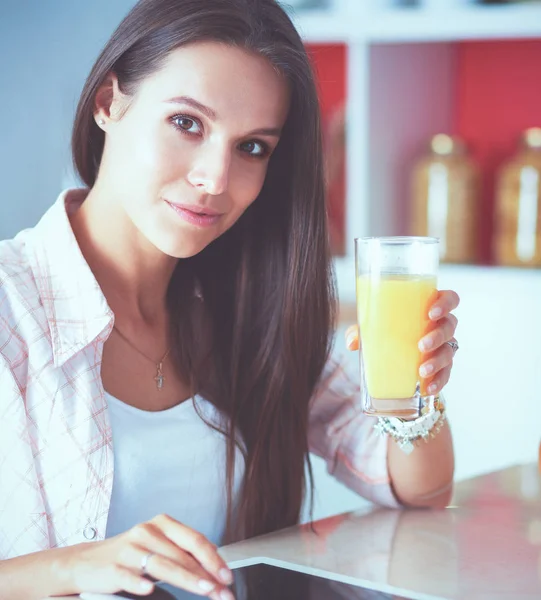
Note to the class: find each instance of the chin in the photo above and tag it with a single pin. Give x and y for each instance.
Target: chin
(185, 250)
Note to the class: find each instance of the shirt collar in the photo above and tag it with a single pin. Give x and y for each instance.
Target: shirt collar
(75, 307)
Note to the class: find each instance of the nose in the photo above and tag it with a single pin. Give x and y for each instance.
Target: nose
(210, 171)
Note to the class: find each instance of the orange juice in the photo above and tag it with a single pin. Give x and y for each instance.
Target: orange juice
(392, 312)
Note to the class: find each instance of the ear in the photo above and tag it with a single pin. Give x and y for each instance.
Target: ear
(110, 102)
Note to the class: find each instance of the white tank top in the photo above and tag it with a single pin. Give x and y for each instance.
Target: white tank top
(169, 462)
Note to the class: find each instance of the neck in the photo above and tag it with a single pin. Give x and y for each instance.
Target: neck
(133, 274)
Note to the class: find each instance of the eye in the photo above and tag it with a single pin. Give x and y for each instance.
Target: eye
(186, 124)
(255, 148)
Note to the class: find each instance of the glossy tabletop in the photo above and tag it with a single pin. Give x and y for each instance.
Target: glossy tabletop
(486, 545)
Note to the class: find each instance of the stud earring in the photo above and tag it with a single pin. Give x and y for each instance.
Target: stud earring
(101, 122)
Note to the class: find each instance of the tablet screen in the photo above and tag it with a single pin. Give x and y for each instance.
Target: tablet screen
(266, 582)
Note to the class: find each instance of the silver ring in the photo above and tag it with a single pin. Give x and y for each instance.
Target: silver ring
(454, 346)
(144, 562)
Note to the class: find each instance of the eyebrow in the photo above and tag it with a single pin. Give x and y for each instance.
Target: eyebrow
(212, 115)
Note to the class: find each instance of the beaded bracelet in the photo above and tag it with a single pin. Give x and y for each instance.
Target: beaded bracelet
(408, 434)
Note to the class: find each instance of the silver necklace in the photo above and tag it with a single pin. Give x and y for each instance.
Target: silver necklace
(159, 377)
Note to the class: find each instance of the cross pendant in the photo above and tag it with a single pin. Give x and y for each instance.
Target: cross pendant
(159, 379)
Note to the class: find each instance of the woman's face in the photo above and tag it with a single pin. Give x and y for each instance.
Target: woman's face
(190, 153)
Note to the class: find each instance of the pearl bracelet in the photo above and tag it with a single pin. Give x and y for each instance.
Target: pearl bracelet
(408, 434)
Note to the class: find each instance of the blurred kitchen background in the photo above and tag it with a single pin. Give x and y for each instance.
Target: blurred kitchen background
(432, 110)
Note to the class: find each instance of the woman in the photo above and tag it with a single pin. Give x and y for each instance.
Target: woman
(194, 264)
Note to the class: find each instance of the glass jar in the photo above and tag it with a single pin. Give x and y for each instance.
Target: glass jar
(517, 226)
(445, 199)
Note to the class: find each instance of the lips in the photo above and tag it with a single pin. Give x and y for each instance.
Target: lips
(196, 215)
(198, 210)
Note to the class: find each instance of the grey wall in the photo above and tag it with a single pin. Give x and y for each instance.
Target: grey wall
(46, 50)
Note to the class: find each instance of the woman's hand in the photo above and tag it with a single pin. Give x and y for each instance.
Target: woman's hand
(173, 553)
(435, 369)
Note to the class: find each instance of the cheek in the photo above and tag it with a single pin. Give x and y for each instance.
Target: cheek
(246, 184)
(150, 156)
(160, 161)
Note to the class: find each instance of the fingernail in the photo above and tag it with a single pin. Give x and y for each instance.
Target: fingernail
(350, 340)
(226, 595)
(205, 585)
(425, 344)
(226, 576)
(426, 369)
(435, 313)
(432, 388)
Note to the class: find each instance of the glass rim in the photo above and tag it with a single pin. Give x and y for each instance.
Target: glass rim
(400, 240)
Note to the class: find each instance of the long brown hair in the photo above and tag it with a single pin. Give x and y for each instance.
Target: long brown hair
(256, 346)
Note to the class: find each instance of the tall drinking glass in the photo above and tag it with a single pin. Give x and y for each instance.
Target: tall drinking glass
(396, 285)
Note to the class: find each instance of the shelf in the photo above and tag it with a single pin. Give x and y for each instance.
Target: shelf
(470, 23)
(323, 26)
(403, 25)
(462, 277)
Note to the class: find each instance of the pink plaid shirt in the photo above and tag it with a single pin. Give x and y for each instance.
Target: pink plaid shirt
(56, 453)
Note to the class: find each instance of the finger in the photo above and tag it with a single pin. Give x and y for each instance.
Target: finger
(124, 579)
(197, 545)
(447, 301)
(352, 337)
(440, 381)
(439, 360)
(218, 595)
(444, 332)
(171, 572)
(150, 538)
(132, 556)
(156, 543)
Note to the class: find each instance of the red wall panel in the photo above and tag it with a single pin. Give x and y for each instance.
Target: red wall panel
(329, 62)
(498, 96)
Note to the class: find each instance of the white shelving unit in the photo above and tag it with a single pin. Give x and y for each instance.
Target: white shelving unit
(400, 65)
(360, 24)
(400, 91)
(468, 23)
